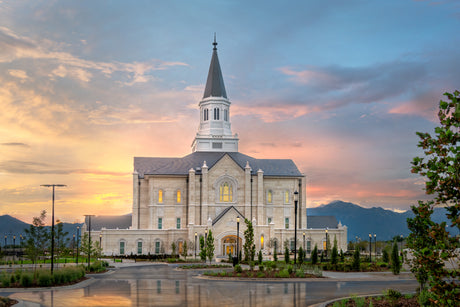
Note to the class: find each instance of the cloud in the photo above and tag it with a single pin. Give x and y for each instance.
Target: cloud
(21, 74)
(14, 144)
(15, 47)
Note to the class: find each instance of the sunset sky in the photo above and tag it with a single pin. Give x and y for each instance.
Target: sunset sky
(338, 86)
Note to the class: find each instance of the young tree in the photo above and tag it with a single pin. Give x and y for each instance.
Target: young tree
(210, 246)
(286, 254)
(173, 248)
(275, 254)
(36, 238)
(356, 265)
(202, 249)
(431, 244)
(260, 258)
(335, 253)
(61, 240)
(249, 246)
(314, 255)
(385, 255)
(395, 263)
(301, 255)
(342, 256)
(184, 250)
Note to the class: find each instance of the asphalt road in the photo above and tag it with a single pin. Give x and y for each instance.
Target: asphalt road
(164, 285)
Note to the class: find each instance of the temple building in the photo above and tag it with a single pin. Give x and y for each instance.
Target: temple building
(181, 199)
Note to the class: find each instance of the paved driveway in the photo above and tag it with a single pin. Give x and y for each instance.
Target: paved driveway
(163, 285)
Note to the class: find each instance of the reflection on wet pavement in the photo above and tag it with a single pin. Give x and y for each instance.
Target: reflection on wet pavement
(161, 285)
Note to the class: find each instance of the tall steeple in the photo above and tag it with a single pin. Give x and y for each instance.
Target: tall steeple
(215, 132)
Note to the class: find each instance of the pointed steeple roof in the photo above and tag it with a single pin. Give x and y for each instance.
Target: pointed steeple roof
(215, 84)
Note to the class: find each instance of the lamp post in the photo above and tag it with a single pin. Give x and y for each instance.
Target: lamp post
(14, 247)
(326, 242)
(89, 245)
(304, 241)
(5, 241)
(370, 248)
(237, 239)
(52, 223)
(375, 246)
(100, 243)
(196, 235)
(78, 240)
(296, 195)
(73, 245)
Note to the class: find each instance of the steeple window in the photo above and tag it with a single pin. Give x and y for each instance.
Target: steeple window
(226, 115)
(216, 113)
(205, 114)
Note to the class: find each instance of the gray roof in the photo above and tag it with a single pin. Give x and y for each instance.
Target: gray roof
(322, 222)
(181, 166)
(109, 222)
(220, 215)
(215, 84)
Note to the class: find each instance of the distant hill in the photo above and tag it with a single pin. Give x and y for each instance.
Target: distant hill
(362, 221)
(10, 226)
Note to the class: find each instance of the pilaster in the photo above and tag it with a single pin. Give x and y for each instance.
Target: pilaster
(135, 200)
(204, 172)
(191, 196)
(260, 196)
(247, 191)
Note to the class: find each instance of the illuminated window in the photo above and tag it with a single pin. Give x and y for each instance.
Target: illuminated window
(286, 197)
(122, 247)
(286, 223)
(178, 199)
(225, 192)
(160, 196)
(269, 196)
(261, 242)
(324, 245)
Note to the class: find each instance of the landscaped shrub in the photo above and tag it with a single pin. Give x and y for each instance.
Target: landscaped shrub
(289, 269)
(261, 267)
(26, 279)
(300, 273)
(238, 268)
(283, 274)
(45, 279)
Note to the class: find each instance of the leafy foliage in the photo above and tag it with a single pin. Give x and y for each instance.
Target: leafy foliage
(314, 255)
(210, 246)
(356, 264)
(430, 242)
(36, 238)
(249, 246)
(395, 263)
(335, 253)
(202, 249)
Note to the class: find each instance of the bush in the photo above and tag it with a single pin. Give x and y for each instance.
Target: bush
(356, 265)
(261, 267)
(45, 279)
(260, 274)
(283, 274)
(26, 280)
(238, 268)
(393, 294)
(289, 269)
(300, 273)
(286, 255)
(260, 258)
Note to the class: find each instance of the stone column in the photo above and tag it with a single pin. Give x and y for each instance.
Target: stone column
(135, 199)
(204, 216)
(260, 196)
(151, 202)
(304, 203)
(191, 196)
(247, 192)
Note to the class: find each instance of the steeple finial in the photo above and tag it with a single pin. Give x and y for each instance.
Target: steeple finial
(215, 42)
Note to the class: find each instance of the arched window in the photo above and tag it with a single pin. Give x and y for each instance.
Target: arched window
(262, 242)
(178, 196)
(226, 192)
(269, 196)
(160, 196)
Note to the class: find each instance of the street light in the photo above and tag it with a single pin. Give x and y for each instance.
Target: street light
(326, 242)
(237, 239)
(100, 243)
(14, 247)
(89, 245)
(296, 196)
(370, 248)
(400, 245)
(196, 235)
(375, 246)
(304, 241)
(52, 223)
(78, 238)
(5, 241)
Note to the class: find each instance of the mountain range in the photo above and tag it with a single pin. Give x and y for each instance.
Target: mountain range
(360, 221)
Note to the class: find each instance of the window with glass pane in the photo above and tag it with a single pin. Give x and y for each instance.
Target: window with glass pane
(286, 223)
(308, 246)
(269, 196)
(291, 243)
(160, 196)
(178, 199)
(178, 223)
(226, 192)
(286, 197)
(160, 223)
(122, 248)
(139, 247)
(157, 247)
(269, 220)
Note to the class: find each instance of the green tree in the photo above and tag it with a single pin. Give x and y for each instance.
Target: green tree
(173, 248)
(385, 255)
(335, 253)
(430, 242)
(260, 257)
(61, 240)
(301, 255)
(275, 254)
(286, 254)
(249, 246)
(395, 263)
(356, 264)
(36, 238)
(202, 249)
(314, 255)
(342, 256)
(184, 250)
(210, 246)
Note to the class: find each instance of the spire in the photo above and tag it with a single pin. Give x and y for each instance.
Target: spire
(215, 83)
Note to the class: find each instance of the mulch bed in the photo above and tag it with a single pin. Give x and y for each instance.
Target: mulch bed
(7, 302)
(383, 302)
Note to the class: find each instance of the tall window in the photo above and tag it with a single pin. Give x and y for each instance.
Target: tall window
(226, 115)
(269, 220)
(122, 247)
(286, 223)
(178, 223)
(205, 114)
(262, 242)
(216, 114)
(226, 192)
(286, 197)
(308, 246)
(139, 247)
(160, 223)
(269, 196)
(160, 196)
(157, 247)
(178, 199)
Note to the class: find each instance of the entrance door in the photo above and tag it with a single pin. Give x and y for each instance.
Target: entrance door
(229, 245)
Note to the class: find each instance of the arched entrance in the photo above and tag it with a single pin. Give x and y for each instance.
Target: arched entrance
(229, 245)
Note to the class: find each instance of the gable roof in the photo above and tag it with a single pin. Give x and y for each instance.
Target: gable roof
(322, 222)
(181, 166)
(110, 222)
(220, 215)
